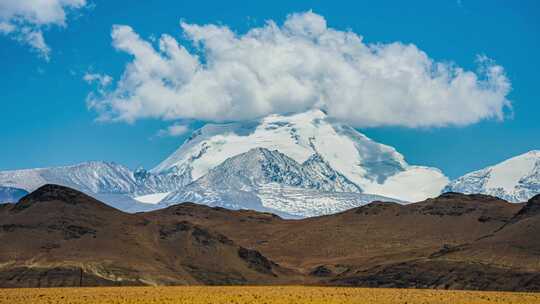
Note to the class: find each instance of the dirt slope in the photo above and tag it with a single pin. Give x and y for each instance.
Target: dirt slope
(454, 241)
(57, 236)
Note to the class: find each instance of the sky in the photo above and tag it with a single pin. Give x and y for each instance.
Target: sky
(449, 84)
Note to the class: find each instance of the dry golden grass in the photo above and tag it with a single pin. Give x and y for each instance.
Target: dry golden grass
(256, 295)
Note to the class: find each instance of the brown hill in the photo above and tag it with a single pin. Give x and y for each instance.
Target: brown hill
(515, 244)
(508, 258)
(453, 241)
(57, 236)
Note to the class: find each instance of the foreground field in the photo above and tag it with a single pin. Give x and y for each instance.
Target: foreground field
(268, 295)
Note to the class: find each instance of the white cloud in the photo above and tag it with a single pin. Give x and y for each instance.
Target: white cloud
(300, 65)
(6, 28)
(24, 20)
(102, 79)
(173, 130)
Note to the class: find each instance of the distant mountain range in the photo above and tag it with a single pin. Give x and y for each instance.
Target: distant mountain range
(294, 165)
(113, 183)
(58, 236)
(516, 179)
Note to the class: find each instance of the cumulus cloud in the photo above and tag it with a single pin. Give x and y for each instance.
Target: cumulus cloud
(299, 65)
(24, 20)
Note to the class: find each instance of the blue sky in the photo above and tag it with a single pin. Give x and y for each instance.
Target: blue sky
(44, 119)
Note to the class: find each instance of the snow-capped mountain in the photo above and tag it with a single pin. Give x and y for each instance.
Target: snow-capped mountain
(267, 180)
(516, 179)
(261, 166)
(373, 167)
(90, 177)
(11, 195)
(93, 177)
(302, 165)
(115, 184)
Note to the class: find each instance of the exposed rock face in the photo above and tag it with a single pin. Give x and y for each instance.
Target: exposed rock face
(271, 181)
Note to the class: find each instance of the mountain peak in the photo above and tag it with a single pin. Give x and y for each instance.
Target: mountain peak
(57, 193)
(52, 192)
(268, 180)
(516, 179)
(261, 166)
(371, 166)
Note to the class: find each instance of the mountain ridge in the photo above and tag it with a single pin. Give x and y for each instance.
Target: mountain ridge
(374, 167)
(260, 177)
(75, 240)
(516, 179)
(314, 166)
(454, 241)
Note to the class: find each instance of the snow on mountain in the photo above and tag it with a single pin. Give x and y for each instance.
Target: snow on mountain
(262, 166)
(301, 165)
(153, 198)
(93, 177)
(90, 177)
(373, 167)
(11, 195)
(114, 184)
(301, 202)
(516, 179)
(267, 180)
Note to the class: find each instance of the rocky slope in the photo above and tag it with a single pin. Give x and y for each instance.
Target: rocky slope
(61, 237)
(437, 243)
(58, 236)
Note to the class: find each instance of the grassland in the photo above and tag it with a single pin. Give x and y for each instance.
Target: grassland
(256, 295)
